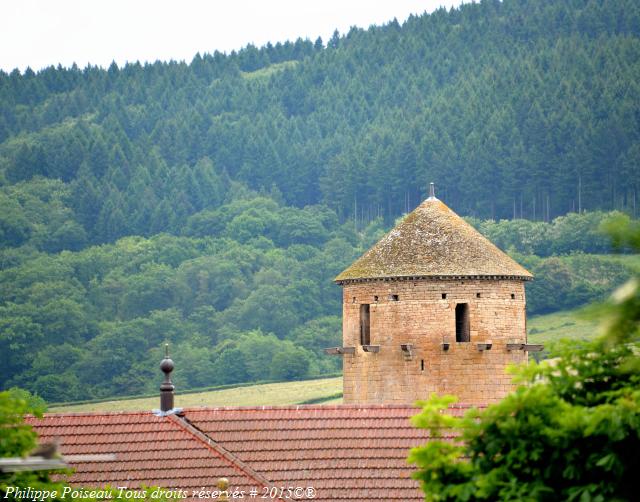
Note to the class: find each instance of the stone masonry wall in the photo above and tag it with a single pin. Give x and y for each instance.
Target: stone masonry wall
(423, 318)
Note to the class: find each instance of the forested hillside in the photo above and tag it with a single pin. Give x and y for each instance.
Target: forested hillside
(499, 102)
(211, 203)
(245, 295)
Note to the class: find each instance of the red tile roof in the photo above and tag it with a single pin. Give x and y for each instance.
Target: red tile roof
(149, 450)
(345, 452)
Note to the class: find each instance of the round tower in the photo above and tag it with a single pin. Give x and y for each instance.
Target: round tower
(432, 307)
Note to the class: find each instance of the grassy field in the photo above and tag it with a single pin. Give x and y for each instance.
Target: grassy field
(326, 389)
(542, 329)
(631, 260)
(565, 324)
(267, 71)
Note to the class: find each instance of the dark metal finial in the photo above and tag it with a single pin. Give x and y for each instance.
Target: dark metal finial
(432, 191)
(166, 387)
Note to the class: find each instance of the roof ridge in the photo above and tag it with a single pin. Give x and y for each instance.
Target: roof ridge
(293, 407)
(220, 450)
(302, 407)
(333, 407)
(94, 413)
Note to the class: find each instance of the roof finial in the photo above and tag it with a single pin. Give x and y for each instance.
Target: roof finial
(223, 487)
(432, 191)
(166, 387)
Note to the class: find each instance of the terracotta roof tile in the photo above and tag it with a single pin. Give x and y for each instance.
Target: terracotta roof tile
(355, 452)
(345, 452)
(149, 450)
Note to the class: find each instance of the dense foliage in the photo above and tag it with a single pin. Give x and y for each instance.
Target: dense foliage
(236, 307)
(245, 295)
(570, 432)
(17, 440)
(566, 234)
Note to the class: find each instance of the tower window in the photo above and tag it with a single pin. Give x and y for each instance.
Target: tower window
(375, 299)
(462, 322)
(394, 298)
(444, 296)
(421, 364)
(365, 325)
(477, 295)
(513, 296)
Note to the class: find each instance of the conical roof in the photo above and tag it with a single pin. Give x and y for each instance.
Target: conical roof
(433, 241)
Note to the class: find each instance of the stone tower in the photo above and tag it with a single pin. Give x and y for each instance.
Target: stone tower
(432, 307)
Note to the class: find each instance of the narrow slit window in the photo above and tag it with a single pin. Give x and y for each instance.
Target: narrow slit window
(365, 325)
(513, 296)
(421, 364)
(444, 296)
(462, 323)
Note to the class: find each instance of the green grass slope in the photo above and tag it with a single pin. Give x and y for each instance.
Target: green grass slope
(565, 324)
(283, 393)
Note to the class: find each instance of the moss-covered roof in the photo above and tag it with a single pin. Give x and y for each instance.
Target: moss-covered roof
(433, 241)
